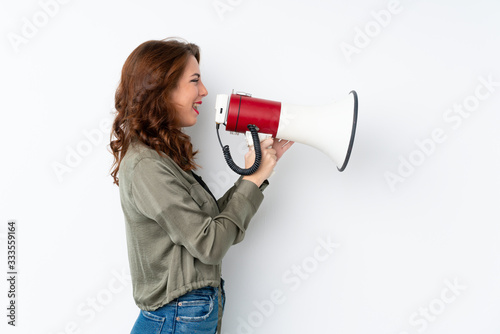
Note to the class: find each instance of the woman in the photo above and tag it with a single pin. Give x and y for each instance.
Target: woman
(177, 233)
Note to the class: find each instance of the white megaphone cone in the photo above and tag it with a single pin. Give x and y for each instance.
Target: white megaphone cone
(330, 128)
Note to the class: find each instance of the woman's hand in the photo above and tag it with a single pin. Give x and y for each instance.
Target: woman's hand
(272, 150)
(281, 146)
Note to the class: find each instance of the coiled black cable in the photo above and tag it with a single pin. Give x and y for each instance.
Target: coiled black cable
(258, 154)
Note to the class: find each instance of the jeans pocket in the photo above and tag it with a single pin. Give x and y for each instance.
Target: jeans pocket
(196, 308)
(148, 322)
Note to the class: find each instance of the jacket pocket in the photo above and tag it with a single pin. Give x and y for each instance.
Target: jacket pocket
(198, 194)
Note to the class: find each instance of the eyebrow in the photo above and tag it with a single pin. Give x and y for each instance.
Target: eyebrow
(196, 74)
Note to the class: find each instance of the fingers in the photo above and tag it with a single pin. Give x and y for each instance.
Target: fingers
(271, 149)
(282, 143)
(281, 146)
(267, 143)
(249, 154)
(285, 147)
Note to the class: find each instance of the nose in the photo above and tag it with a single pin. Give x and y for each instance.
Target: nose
(203, 90)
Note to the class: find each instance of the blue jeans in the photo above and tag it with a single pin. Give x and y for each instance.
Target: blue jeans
(195, 312)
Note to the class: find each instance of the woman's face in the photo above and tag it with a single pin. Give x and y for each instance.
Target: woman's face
(188, 94)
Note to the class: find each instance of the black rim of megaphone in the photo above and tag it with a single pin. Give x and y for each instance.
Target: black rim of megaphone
(353, 131)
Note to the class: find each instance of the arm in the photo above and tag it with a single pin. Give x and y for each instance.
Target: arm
(270, 156)
(222, 202)
(160, 195)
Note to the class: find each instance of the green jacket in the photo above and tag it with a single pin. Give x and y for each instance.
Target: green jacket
(177, 234)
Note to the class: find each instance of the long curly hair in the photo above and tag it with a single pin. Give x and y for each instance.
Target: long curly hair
(143, 107)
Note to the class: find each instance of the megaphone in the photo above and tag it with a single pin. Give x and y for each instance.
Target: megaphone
(329, 128)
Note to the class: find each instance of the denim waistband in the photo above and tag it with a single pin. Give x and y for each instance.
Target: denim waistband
(208, 290)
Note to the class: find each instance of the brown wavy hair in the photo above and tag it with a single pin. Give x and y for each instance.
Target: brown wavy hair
(143, 107)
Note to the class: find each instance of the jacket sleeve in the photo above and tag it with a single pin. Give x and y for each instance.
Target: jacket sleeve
(160, 195)
(222, 202)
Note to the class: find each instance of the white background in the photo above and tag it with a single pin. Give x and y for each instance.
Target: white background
(400, 244)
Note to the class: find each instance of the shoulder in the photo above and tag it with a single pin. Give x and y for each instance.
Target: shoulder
(139, 154)
(142, 161)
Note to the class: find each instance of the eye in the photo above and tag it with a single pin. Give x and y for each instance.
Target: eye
(195, 80)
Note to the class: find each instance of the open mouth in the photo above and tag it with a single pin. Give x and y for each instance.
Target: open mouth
(195, 107)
